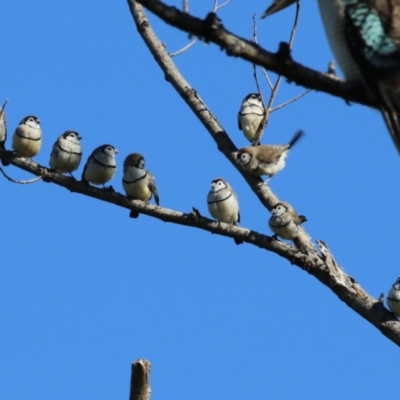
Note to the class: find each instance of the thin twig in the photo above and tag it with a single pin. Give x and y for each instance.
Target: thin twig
(291, 100)
(295, 24)
(275, 90)
(183, 49)
(236, 46)
(4, 106)
(263, 122)
(37, 178)
(332, 276)
(265, 72)
(216, 7)
(291, 40)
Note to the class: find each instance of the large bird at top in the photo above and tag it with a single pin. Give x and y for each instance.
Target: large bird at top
(364, 36)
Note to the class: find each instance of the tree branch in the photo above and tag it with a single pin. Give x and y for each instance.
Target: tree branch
(211, 29)
(319, 264)
(140, 380)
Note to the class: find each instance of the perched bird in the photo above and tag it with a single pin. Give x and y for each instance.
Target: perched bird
(222, 202)
(101, 165)
(137, 182)
(251, 115)
(3, 128)
(393, 298)
(285, 222)
(364, 38)
(266, 159)
(27, 138)
(67, 152)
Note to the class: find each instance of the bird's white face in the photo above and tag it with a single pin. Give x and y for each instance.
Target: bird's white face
(253, 99)
(278, 211)
(73, 137)
(217, 185)
(110, 151)
(33, 122)
(140, 163)
(244, 158)
(396, 285)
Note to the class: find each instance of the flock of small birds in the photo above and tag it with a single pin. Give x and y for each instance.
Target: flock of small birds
(139, 184)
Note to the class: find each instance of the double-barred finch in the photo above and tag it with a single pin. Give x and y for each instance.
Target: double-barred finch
(285, 222)
(266, 159)
(364, 36)
(251, 115)
(138, 183)
(67, 152)
(3, 129)
(393, 298)
(222, 202)
(101, 165)
(27, 138)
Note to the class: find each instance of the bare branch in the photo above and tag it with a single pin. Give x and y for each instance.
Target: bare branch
(140, 380)
(291, 100)
(183, 49)
(216, 7)
(38, 178)
(4, 106)
(211, 30)
(274, 88)
(321, 265)
(199, 108)
(295, 24)
(306, 256)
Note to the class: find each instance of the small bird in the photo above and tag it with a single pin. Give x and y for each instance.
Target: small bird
(138, 183)
(285, 222)
(101, 165)
(222, 202)
(67, 152)
(251, 115)
(266, 159)
(393, 298)
(364, 38)
(3, 129)
(27, 138)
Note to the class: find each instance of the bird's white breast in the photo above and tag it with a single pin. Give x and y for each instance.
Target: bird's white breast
(284, 227)
(223, 206)
(66, 156)
(99, 174)
(27, 140)
(250, 124)
(272, 168)
(136, 183)
(394, 305)
(2, 130)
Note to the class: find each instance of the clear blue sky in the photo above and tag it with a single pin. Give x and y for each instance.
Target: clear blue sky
(85, 290)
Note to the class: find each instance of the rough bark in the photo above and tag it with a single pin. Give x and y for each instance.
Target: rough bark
(140, 380)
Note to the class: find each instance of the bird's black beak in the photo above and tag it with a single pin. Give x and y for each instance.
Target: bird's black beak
(276, 6)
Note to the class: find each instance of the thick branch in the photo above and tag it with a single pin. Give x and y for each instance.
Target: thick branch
(211, 30)
(322, 266)
(191, 97)
(140, 380)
